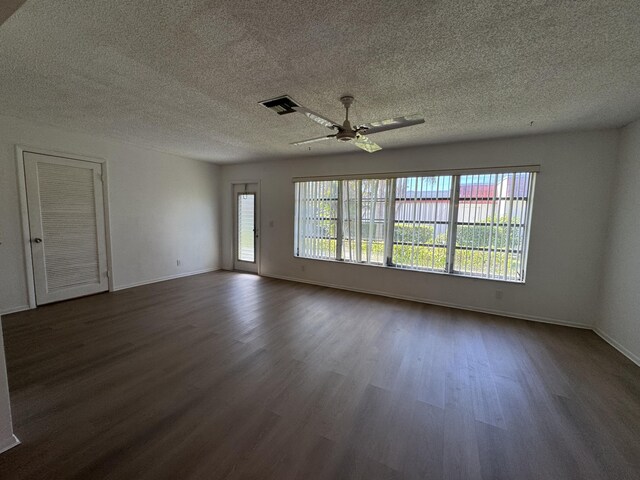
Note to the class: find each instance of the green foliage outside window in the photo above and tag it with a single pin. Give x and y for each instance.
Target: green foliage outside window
(429, 252)
(490, 236)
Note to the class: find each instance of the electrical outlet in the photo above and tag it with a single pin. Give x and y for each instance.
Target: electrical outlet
(178, 262)
(302, 268)
(498, 294)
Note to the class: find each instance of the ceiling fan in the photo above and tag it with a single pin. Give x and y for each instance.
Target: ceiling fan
(356, 135)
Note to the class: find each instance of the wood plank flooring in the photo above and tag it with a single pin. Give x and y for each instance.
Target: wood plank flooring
(234, 376)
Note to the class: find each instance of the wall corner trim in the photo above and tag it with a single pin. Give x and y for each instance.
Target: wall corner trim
(9, 443)
(20, 308)
(615, 344)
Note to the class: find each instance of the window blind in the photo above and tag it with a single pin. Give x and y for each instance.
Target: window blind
(492, 225)
(474, 224)
(421, 222)
(364, 220)
(422, 173)
(316, 219)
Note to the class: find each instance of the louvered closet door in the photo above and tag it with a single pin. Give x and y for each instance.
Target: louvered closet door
(66, 221)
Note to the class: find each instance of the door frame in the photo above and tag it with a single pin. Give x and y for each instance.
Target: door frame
(234, 222)
(24, 212)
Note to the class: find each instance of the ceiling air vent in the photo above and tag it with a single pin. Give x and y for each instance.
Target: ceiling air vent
(281, 105)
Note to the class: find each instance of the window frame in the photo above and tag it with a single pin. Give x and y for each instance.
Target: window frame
(333, 253)
(419, 179)
(358, 238)
(452, 221)
(525, 224)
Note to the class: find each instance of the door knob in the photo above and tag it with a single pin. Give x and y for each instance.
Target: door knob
(37, 240)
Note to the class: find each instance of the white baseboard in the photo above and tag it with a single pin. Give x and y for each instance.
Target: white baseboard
(9, 443)
(615, 344)
(519, 316)
(21, 308)
(164, 279)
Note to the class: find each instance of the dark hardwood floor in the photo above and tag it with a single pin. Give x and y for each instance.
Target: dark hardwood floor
(233, 376)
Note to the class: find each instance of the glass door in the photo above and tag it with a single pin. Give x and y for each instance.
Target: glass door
(246, 227)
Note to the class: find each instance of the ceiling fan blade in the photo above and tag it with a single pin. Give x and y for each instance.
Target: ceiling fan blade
(316, 117)
(366, 144)
(313, 140)
(390, 124)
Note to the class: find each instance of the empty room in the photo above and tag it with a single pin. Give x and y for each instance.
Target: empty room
(319, 240)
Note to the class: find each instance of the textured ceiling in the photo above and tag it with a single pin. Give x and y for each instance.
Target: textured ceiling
(8, 8)
(185, 76)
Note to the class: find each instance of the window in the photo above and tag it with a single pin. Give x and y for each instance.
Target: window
(473, 225)
(316, 219)
(364, 220)
(421, 223)
(492, 224)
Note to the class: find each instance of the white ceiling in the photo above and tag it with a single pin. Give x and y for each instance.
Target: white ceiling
(186, 76)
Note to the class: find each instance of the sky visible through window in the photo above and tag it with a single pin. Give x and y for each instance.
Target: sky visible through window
(428, 188)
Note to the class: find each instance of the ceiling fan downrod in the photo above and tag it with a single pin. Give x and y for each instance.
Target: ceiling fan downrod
(347, 133)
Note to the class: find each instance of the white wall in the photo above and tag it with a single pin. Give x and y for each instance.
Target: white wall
(568, 225)
(162, 208)
(620, 318)
(7, 439)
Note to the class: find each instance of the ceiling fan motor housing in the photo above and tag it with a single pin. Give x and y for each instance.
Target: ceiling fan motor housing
(346, 133)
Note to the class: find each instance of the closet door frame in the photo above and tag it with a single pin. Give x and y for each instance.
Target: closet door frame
(24, 212)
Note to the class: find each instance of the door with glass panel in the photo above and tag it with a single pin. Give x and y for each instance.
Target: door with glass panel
(246, 227)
